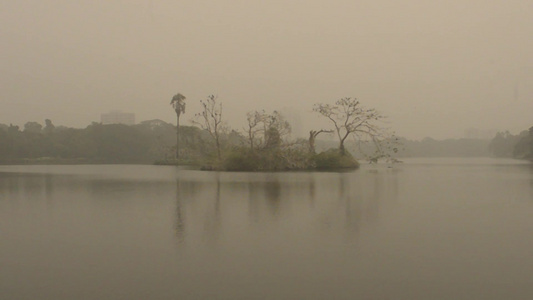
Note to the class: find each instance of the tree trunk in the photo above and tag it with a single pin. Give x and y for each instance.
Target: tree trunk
(251, 138)
(312, 137)
(178, 137)
(341, 147)
(218, 147)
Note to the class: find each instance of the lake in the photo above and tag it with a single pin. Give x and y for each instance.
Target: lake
(423, 229)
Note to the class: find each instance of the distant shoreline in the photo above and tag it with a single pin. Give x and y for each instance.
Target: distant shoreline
(69, 161)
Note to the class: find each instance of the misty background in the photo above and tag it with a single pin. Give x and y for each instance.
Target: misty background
(436, 68)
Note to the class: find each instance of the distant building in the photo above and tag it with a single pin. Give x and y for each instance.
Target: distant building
(117, 117)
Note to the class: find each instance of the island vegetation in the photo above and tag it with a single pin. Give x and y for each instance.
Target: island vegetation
(264, 143)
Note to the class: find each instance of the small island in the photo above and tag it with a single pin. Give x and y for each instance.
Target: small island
(265, 143)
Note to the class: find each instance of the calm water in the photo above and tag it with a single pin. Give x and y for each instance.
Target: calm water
(425, 229)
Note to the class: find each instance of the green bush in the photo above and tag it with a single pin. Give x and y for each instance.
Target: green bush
(241, 160)
(333, 159)
(245, 160)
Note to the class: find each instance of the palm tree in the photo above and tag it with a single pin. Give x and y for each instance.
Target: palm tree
(178, 103)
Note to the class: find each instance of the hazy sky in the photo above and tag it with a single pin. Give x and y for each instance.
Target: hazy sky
(434, 67)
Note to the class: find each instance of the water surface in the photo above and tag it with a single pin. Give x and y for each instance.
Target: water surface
(424, 229)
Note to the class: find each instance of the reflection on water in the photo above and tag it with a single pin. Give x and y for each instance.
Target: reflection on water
(421, 230)
(180, 218)
(344, 201)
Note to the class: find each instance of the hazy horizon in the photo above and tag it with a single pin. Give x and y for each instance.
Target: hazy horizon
(434, 68)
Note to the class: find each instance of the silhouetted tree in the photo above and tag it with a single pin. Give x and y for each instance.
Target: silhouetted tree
(266, 130)
(524, 147)
(312, 138)
(254, 118)
(33, 127)
(349, 117)
(504, 143)
(48, 127)
(210, 119)
(178, 103)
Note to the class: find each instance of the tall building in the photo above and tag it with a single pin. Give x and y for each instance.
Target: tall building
(117, 117)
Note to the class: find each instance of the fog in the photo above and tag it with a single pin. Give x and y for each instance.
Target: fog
(435, 68)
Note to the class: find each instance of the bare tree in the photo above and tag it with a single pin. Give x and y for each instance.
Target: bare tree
(277, 121)
(312, 138)
(210, 119)
(384, 145)
(266, 130)
(254, 118)
(178, 103)
(350, 118)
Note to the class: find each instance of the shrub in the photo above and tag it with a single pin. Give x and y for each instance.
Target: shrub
(241, 160)
(334, 159)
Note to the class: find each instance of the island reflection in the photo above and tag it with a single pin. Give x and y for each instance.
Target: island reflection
(344, 202)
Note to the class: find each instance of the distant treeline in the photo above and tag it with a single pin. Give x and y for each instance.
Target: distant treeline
(97, 143)
(520, 146)
(504, 144)
(154, 140)
(427, 147)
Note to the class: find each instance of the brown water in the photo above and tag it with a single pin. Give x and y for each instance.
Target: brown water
(425, 229)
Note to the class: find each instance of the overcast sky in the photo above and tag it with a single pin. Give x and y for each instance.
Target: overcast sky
(435, 68)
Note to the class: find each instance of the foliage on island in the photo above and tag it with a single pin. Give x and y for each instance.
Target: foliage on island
(264, 144)
(335, 159)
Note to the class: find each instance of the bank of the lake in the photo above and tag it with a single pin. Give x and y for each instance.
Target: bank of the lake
(245, 160)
